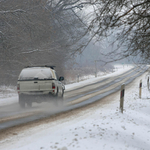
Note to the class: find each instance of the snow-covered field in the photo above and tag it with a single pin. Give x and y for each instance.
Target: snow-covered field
(101, 127)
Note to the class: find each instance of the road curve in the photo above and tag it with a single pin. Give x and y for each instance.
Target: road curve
(13, 115)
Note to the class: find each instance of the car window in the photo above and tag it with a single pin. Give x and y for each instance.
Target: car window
(53, 74)
(57, 75)
(35, 73)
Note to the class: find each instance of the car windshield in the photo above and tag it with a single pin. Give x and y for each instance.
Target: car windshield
(35, 73)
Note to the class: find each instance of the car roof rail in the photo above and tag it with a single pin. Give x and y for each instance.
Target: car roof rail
(52, 67)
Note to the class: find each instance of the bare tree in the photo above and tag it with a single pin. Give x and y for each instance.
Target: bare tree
(35, 32)
(128, 21)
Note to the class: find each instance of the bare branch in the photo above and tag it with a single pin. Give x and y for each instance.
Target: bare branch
(13, 11)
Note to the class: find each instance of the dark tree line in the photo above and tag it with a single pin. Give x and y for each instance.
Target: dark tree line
(37, 32)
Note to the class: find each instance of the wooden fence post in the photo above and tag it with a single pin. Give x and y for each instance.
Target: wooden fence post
(78, 78)
(148, 82)
(122, 93)
(140, 88)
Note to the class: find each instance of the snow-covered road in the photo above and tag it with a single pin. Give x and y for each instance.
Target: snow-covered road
(99, 126)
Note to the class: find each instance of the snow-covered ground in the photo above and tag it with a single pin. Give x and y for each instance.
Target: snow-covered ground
(119, 69)
(101, 127)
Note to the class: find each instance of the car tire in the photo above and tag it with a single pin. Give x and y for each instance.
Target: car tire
(29, 104)
(21, 101)
(60, 100)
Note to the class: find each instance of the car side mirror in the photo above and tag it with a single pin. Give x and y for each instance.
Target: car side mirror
(61, 78)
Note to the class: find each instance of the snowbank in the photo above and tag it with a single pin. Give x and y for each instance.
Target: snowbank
(119, 69)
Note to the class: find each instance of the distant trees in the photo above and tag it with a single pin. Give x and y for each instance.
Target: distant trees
(37, 32)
